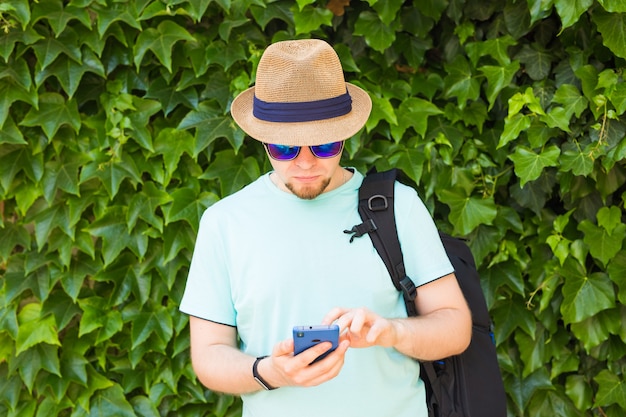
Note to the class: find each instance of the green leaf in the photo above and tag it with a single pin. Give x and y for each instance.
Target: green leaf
(533, 350)
(382, 109)
(55, 216)
(606, 239)
(17, 72)
(510, 316)
(157, 321)
(577, 160)
(111, 173)
(596, 329)
(460, 83)
(61, 307)
(497, 48)
(529, 165)
(387, 10)
(112, 228)
(172, 143)
(551, 402)
(53, 113)
(612, 26)
(170, 96)
(160, 41)
(413, 112)
(557, 117)
(311, 18)
(188, 205)
(537, 61)
(139, 119)
(611, 389)
(10, 38)
(614, 6)
(30, 363)
(49, 48)
(196, 8)
(144, 407)
(110, 402)
(521, 390)
(13, 235)
(20, 10)
(69, 73)
(584, 295)
(144, 205)
(570, 10)
(97, 316)
(276, 10)
(10, 92)
(525, 99)
(16, 159)
(62, 175)
(224, 54)
(617, 97)
(498, 78)
(571, 99)
(176, 239)
(9, 134)
(377, 35)
(234, 171)
(57, 15)
(579, 391)
(125, 274)
(468, 212)
(35, 328)
(116, 11)
(616, 271)
(210, 124)
(227, 26)
(410, 161)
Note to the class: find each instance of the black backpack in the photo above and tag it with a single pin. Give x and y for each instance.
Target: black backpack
(465, 385)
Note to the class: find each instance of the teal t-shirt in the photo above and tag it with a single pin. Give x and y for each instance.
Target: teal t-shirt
(266, 261)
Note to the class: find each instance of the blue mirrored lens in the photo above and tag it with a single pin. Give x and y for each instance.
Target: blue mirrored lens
(327, 150)
(282, 152)
(287, 153)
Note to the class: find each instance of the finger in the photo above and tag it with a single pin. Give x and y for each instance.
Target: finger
(374, 332)
(333, 315)
(284, 347)
(357, 322)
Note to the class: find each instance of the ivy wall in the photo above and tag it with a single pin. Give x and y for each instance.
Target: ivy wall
(116, 135)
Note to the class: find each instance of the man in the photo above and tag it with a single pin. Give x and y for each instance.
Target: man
(274, 255)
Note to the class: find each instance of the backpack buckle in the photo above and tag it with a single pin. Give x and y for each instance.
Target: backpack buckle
(408, 288)
(373, 203)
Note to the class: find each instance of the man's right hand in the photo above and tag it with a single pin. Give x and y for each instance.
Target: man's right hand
(282, 368)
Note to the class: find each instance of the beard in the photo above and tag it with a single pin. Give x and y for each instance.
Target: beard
(308, 192)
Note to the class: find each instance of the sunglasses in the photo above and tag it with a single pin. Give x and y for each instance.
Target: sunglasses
(289, 153)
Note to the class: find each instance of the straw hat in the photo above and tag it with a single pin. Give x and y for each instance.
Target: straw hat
(300, 97)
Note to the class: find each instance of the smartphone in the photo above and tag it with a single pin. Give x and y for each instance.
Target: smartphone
(305, 337)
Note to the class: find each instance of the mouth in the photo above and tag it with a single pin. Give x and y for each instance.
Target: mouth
(306, 179)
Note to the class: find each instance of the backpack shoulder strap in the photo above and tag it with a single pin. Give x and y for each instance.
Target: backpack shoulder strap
(376, 208)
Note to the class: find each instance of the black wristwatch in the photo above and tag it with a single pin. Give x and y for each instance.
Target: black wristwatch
(257, 377)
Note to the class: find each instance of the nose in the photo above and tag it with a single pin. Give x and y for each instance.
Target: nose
(305, 158)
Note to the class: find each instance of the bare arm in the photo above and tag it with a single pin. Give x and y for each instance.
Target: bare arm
(443, 327)
(222, 367)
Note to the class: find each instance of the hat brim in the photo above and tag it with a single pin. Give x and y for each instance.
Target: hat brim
(303, 133)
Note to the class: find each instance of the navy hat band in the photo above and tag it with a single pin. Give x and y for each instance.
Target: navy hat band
(305, 111)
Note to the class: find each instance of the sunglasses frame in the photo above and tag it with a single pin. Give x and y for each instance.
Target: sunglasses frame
(299, 148)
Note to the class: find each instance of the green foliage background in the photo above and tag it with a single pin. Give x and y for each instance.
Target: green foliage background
(116, 135)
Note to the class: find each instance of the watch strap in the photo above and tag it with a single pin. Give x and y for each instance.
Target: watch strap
(257, 377)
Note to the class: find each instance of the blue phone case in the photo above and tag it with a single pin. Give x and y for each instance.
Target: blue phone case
(305, 337)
